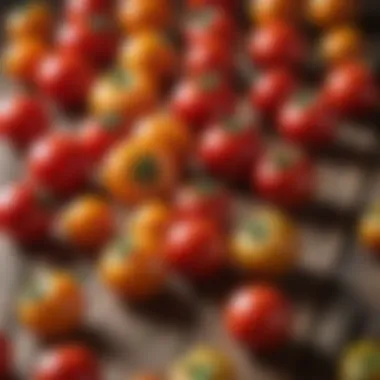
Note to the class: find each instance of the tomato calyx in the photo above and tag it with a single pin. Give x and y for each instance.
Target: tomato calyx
(123, 247)
(201, 372)
(285, 158)
(99, 23)
(209, 82)
(111, 121)
(146, 170)
(207, 186)
(121, 78)
(304, 98)
(257, 229)
(203, 18)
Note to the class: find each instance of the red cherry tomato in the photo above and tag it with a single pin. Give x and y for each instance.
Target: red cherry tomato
(350, 89)
(23, 118)
(65, 78)
(23, 215)
(97, 136)
(226, 5)
(284, 175)
(204, 200)
(229, 148)
(195, 248)
(68, 363)
(82, 9)
(305, 120)
(57, 164)
(198, 100)
(5, 356)
(260, 317)
(95, 39)
(276, 44)
(271, 90)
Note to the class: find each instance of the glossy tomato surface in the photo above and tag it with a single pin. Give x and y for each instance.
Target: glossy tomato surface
(79, 10)
(6, 355)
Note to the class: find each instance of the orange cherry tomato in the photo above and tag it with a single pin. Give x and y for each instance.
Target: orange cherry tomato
(52, 304)
(146, 376)
(266, 11)
(369, 228)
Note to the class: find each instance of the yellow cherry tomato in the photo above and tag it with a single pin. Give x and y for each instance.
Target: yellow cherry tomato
(267, 11)
(342, 44)
(369, 228)
(52, 304)
(139, 15)
(151, 53)
(32, 20)
(130, 272)
(87, 222)
(164, 129)
(266, 242)
(331, 12)
(203, 363)
(361, 361)
(21, 58)
(136, 171)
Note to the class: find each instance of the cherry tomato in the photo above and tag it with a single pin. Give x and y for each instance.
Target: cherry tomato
(30, 20)
(52, 305)
(69, 362)
(95, 39)
(305, 120)
(23, 215)
(260, 317)
(350, 89)
(21, 58)
(6, 355)
(266, 242)
(226, 5)
(284, 175)
(199, 100)
(130, 272)
(83, 9)
(23, 119)
(269, 92)
(195, 248)
(203, 363)
(229, 148)
(137, 171)
(58, 165)
(203, 199)
(87, 222)
(277, 45)
(267, 11)
(140, 15)
(341, 44)
(65, 78)
(146, 376)
(211, 24)
(98, 134)
(369, 228)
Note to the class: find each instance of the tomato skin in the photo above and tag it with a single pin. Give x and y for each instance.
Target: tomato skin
(194, 248)
(226, 5)
(5, 355)
(368, 230)
(23, 118)
(68, 362)
(260, 317)
(285, 176)
(66, 79)
(229, 149)
(276, 45)
(267, 11)
(309, 123)
(57, 164)
(22, 215)
(83, 9)
(271, 90)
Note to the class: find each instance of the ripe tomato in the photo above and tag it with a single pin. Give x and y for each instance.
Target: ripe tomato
(131, 272)
(23, 118)
(65, 78)
(31, 20)
(267, 11)
(69, 362)
(23, 215)
(21, 58)
(284, 175)
(83, 9)
(203, 199)
(6, 355)
(146, 376)
(58, 165)
(195, 248)
(226, 5)
(151, 53)
(229, 148)
(277, 45)
(269, 92)
(52, 305)
(350, 89)
(87, 222)
(98, 134)
(140, 15)
(259, 316)
(369, 228)
(211, 24)
(137, 171)
(203, 363)
(266, 242)
(95, 39)
(305, 120)
(199, 100)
